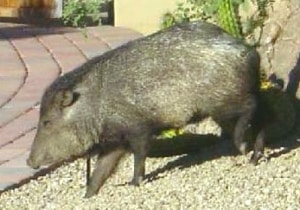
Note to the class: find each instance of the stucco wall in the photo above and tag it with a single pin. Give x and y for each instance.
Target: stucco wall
(142, 15)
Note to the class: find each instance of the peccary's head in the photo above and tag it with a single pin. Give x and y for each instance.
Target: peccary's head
(61, 129)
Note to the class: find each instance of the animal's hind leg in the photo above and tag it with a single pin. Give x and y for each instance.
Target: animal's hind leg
(242, 124)
(239, 132)
(259, 145)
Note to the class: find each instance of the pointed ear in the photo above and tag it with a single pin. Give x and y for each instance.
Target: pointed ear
(66, 97)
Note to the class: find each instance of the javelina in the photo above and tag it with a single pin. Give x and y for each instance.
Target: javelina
(118, 101)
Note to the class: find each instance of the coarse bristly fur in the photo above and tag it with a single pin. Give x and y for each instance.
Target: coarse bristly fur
(117, 102)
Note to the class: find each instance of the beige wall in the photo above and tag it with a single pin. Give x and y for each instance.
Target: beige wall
(142, 15)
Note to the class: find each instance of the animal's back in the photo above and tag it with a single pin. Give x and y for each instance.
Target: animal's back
(187, 69)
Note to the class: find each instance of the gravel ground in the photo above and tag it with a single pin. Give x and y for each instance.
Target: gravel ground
(215, 178)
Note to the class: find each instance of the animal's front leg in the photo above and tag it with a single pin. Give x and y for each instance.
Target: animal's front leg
(139, 169)
(140, 147)
(104, 168)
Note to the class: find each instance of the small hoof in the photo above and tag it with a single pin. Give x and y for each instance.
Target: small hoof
(258, 156)
(136, 181)
(89, 193)
(133, 183)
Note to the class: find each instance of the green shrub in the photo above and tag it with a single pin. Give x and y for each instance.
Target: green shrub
(81, 13)
(189, 11)
(224, 13)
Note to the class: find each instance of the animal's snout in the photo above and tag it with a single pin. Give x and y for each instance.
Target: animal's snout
(31, 163)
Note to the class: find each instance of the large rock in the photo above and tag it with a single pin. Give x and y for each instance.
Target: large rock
(280, 44)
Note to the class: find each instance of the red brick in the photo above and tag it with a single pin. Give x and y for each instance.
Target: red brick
(90, 46)
(17, 162)
(8, 154)
(18, 127)
(24, 142)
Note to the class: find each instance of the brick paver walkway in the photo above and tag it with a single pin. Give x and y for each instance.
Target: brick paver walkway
(30, 59)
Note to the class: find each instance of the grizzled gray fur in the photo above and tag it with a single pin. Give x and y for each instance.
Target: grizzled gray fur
(117, 102)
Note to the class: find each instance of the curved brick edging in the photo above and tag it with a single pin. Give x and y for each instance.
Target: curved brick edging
(30, 59)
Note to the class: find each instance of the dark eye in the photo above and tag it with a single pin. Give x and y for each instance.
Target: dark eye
(46, 123)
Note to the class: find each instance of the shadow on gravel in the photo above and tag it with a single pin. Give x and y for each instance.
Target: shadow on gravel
(213, 147)
(286, 145)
